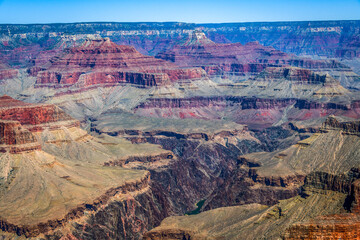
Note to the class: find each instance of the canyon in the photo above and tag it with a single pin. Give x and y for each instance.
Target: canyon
(322, 189)
(179, 130)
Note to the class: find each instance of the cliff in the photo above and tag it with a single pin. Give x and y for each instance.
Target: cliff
(106, 63)
(62, 179)
(237, 58)
(323, 38)
(332, 123)
(298, 75)
(320, 38)
(14, 138)
(325, 187)
(256, 112)
(7, 72)
(344, 226)
(34, 116)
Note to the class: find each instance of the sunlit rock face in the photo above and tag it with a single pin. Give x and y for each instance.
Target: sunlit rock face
(6, 72)
(252, 57)
(102, 62)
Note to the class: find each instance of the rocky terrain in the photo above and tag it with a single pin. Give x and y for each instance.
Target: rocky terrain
(179, 131)
(102, 62)
(324, 188)
(252, 57)
(53, 172)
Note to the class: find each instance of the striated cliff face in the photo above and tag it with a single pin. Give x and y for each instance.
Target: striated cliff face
(7, 72)
(347, 127)
(14, 138)
(64, 162)
(34, 116)
(102, 62)
(252, 57)
(21, 44)
(331, 227)
(319, 187)
(298, 75)
(339, 226)
(324, 38)
(255, 112)
(237, 58)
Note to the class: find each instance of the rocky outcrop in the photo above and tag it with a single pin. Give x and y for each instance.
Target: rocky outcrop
(298, 75)
(246, 186)
(339, 226)
(326, 227)
(19, 119)
(143, 159)
(323, 38)
(228, 57)
(106, 63)
(14, 138)
(318, 64)
(35, 230)
(33, 116)
(237, 58)
(196, 102)
(8, 73)
(352, 127)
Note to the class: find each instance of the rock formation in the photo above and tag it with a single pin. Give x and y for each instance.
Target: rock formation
(330, 188)
(237, 58)
(199, 51)
(102, 62)
(35, 117)
(14, 138)
(7, 72)
(53, 173)
(157, 142)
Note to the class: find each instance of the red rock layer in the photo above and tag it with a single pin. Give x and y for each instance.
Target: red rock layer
(103, 61)
(257, 113)
(235, 57)
(6, 72)
(346, 226)
(224, 55)
(14, 138)
(33, 116)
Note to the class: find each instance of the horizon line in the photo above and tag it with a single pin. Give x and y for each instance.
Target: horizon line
(196, 23)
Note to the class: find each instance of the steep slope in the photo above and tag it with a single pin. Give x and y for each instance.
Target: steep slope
(330, 187)
(21, 44)
(253, 221)
(53, 173)
(106, 63)
(237, 58)
(7, 72)
(274, 97)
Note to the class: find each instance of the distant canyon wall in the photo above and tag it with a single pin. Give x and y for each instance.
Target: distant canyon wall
(21, 44)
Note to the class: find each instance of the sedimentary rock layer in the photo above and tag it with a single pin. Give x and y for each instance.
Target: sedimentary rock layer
(33, 116)
(237, 58)
(14, 138)
(104, 62)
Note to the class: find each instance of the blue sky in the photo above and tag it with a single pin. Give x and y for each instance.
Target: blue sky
(196, 11)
